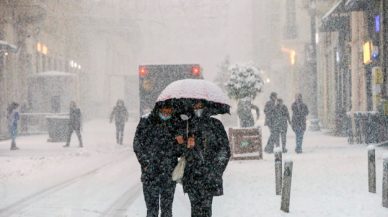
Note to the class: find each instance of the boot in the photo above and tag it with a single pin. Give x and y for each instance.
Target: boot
(66, 146)
(80, 145)
(13, 146)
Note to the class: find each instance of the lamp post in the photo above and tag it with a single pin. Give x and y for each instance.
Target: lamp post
(314, 126)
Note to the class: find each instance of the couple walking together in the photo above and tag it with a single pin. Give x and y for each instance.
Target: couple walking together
(161, 138)
(276, 118)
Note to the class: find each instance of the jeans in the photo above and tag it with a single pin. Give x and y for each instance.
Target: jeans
(299, 140)
(201, 206)
(283, 136)
(272, 140)
(163, 193)
(14, 132)
(120, 132)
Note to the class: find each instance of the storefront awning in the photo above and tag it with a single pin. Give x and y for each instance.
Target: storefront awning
(335, 19)
(338, 8)
(356, 5)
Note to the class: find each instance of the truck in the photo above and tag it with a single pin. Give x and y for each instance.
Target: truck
(154, 78)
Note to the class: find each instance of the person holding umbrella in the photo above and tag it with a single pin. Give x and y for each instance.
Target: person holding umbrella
(208, 152)
(206, 160)
(157, 145)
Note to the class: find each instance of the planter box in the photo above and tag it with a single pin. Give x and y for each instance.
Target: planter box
(246, 143)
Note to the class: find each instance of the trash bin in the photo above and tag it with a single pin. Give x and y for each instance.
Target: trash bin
(58, 127)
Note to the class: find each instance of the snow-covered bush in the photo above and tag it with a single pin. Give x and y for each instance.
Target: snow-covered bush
(244, 81)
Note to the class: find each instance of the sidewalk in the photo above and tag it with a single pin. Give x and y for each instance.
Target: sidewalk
(329, 179)
(39, 164)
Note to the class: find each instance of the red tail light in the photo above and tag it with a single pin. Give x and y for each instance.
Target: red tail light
(142, 71)
(196, 70)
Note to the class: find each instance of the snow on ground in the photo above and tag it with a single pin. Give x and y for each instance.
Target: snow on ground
(39, 164)
(103, 179)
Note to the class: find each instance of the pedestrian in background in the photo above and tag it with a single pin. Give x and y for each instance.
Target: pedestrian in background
(74, 124)
(12, 121)
(298, 123)
(270, 121)
(245, 114)
(120, 114)
(283, 117)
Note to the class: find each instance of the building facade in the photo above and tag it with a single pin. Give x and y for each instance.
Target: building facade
(38, 36)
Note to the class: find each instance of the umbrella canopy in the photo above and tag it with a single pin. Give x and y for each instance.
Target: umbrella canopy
(196, 90)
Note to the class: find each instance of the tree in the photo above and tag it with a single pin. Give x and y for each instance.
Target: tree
(244, 81)
(223, 73)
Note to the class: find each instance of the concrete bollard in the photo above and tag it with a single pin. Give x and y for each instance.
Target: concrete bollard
(385, 180)
(286, 191)
(372, 169)
(278, 170)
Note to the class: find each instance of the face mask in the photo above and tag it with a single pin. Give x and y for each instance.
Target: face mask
(198, 112)
(164, 118)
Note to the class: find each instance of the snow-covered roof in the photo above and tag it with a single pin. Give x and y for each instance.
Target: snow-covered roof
(3, 42)
(54, 73)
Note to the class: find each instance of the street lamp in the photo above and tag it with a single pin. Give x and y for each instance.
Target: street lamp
(314, 126)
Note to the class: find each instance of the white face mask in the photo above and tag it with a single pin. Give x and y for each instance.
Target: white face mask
(198, 112)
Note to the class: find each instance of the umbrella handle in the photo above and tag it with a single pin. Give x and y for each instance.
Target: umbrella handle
(187, 129)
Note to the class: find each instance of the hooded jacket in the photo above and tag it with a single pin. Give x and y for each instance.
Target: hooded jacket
(156, 148)
(207, 160)
(120, 113)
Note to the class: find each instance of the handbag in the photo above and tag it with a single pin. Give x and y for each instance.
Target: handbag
(179, 170)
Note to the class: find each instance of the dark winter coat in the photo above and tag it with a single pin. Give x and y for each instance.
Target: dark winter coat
(270, 114)
(282, 118)
(120, 114)
(245, 114)
(299, 114)
(157, 149)
(207, 160)
(75, 117)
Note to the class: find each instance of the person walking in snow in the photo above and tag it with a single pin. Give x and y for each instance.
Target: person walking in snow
(245, 114)
(206, 160)
(157, 145)
(298, 123)
(120, 114)
(271, 122)
(12, 122)
(283, 118)
(74, 124)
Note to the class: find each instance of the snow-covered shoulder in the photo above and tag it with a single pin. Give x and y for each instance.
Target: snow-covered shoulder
(145, 116)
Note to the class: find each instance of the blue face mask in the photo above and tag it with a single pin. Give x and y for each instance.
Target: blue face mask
(164, 118)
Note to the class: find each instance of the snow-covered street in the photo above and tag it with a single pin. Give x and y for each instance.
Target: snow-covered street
(103, 179)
